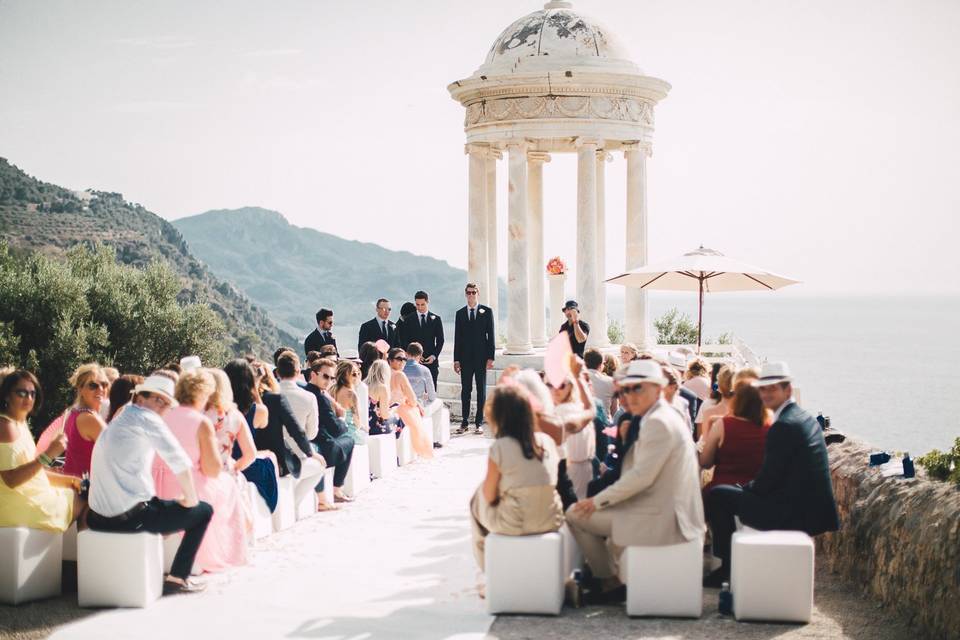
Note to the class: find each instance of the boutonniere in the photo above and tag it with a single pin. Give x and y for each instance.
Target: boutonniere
(482, 310)
(431, 316)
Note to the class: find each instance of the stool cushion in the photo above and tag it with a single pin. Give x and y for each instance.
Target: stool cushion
(771, 575)
(285, 515)
(119, 569)
(665, 581)
(30, 562)
(383, 454)
(524, 573)
(358, 475)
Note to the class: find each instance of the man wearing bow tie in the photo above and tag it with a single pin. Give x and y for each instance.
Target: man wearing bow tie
(426, 328)
(474, 348)
(323, 334)
(380, 327)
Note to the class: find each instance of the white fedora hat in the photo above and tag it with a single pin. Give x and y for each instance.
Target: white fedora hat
(677, 359)
(160, 385)
(643, 371)
(189, 363)
(772, 373)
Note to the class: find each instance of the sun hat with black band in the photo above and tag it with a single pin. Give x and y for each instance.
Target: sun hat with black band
(160, 385)
(773, 373)
(639, 371)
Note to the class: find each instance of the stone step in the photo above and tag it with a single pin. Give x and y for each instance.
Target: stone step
(447, 374)
(451, 390)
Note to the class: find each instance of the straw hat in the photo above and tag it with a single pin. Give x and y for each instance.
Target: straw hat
(773, 373)
(643, 371)
(161, 385)
(189, 363)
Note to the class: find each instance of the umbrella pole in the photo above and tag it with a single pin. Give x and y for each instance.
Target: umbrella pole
(700, 319)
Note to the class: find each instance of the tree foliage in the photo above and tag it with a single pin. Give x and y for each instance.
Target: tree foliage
(674, 327)
(55, 316)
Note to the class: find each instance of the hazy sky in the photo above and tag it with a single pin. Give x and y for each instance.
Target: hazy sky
(819, 139)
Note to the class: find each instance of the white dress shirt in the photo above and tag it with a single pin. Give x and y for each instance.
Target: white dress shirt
(776, 414)
(304, 405)
(121, 466)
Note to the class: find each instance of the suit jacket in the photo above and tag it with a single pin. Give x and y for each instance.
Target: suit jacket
(370, 332)
(283, 435)
(332, 430)
(693, 403)
(315, 340)
(474, 342)
(793, 489)
(430, 336)
(656, 500)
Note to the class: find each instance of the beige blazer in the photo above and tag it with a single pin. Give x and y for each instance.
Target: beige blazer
(657, 499)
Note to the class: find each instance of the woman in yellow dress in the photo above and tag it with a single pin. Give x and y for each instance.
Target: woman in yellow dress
(31, 495)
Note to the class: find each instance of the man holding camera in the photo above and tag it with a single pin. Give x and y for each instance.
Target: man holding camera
(577, 329)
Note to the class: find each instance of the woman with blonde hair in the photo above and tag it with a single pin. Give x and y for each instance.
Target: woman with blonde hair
(83, 423)
(225, 542)
(383, 416)
(720, 405)
(229, 425)
(345, 394)
(574, 408)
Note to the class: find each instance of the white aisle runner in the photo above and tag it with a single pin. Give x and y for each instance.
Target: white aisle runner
(394, 564)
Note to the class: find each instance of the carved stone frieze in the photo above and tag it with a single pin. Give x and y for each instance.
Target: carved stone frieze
(583, 107)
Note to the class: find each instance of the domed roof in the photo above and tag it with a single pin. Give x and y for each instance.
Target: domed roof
(556, 37)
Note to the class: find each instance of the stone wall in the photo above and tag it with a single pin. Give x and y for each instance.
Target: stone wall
(899, 540)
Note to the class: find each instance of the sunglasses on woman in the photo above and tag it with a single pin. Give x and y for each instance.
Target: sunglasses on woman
(25, 393)
(93, 385)
(398, 359)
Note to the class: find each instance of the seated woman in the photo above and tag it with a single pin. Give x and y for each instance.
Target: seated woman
(344, 392)
(518, 495)
(575, 409)
(121, 392)
(30, 494)
(409, 410)
(262, 471)
(735, 444)
(719, 403)
(226, 539)
(383, 415)
(83, 422)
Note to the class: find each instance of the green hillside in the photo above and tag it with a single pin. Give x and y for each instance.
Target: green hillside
(293, 271)
(39, 216)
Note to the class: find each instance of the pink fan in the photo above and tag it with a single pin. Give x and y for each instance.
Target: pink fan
(556, 360)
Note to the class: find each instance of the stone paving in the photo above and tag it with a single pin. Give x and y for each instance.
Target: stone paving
(396, 564)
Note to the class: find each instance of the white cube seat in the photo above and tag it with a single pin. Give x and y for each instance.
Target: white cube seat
(305, 510)
(572, 556)
(405, 453)
(771, 575)
(262, 518)
(665, 581)
(171, 543)
(383, 454)
(358, 475)
(119, 569)
(441, 425)
(30, 562)
(524, 573)
(70, 543)
(285, 515)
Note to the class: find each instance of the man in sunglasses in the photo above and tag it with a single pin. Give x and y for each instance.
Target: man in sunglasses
(474, 348)
(380, 327)
(333, 438)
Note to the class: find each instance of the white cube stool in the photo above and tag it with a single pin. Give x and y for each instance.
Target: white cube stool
(572, 556)
(405, 454)
(285, 515)
(383, 454)
(358, 475)
(441, 426)
(327, 491)
(262, 518)
(70, 543)
(665, 581)
(119, 569)
(524, 573)
(29, 564)
(760, 593)
(171, 543)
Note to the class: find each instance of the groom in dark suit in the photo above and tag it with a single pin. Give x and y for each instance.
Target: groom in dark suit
(323, 334)
(474, 348)
(792, 490)
(380, 327)
(426, 328)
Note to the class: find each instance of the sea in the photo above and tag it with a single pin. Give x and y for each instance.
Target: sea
(885, 369)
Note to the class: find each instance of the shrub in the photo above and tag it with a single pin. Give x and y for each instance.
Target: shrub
(674, 327)
(943, 466)
(54, 316)
(615, 332)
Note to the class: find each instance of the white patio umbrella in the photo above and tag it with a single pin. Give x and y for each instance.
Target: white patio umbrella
(703, 270)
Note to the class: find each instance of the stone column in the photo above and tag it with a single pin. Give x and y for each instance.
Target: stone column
(477, 268)
(492, 295)
(518, 303)
(636, 233)
(598, 333)
(538, 266)
(588, 276)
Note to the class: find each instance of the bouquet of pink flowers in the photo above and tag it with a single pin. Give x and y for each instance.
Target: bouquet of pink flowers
(556, 266)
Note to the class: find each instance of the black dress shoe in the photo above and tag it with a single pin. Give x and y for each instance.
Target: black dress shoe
(716, 578)
(613, 596)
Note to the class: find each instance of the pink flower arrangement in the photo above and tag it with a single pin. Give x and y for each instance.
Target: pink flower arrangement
(556, 266)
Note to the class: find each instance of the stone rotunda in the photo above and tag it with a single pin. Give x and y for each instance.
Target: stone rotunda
(556, 81)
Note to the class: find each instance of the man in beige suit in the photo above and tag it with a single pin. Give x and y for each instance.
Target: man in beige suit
(656, 501)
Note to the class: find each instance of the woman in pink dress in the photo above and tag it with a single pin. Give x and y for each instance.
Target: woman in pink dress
(225, 543)
(401, 393)
(83, 423)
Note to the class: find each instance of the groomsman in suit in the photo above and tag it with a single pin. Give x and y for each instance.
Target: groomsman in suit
(380, 327)
(323, 334)
(474, 347)
(426, 328)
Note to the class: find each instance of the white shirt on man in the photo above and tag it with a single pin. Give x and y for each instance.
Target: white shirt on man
(121, 466)
(304, 405)
(776, 414)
